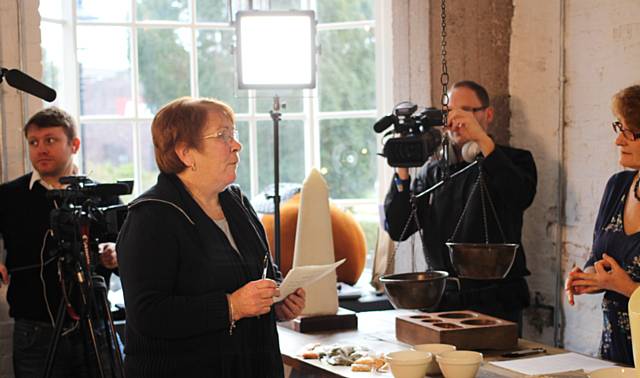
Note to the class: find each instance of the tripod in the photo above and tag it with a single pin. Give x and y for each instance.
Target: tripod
(101, 349)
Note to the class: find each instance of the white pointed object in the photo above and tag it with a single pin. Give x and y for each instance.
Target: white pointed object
(634, 323)
(314, 244)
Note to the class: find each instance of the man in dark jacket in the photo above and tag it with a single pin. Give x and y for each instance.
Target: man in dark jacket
(510, 176)
(34, 292)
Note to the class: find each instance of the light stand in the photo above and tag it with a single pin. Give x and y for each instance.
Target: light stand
(292, 66)
(275, 116)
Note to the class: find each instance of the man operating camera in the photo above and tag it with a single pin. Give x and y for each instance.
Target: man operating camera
(31, 272)
(510, 175)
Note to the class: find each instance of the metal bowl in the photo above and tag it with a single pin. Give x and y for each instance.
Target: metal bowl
(420, 290)
(482, 261)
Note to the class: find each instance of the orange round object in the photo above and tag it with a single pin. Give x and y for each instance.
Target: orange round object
(348, 239)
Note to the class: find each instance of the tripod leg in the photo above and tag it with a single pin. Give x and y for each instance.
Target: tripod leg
(91, 350)
(110, 336)
(93, 344)
(55, 340)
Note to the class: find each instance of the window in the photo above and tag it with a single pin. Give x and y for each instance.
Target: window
(121, 60)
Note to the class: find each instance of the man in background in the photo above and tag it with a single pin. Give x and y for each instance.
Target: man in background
(31, 271)
(510, 176)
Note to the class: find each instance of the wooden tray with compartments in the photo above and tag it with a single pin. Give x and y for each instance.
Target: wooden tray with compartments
(464, 329)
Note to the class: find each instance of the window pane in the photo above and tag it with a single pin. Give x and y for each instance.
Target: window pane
(348, 157)
(347, 70)
(50, 9)
(212, 10)
(163, 10)
(107, 151)
(291, 152)
(52, 58)
(216, 69)
(148, 167)
(244, 168)
(292, 98)
(105, 70)
(163, 60)
(341, 10)
(100, 10)
(285, 4)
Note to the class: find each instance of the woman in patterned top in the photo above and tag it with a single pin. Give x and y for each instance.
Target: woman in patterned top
(614, 264)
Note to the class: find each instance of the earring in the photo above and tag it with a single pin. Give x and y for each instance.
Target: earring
(193, 166)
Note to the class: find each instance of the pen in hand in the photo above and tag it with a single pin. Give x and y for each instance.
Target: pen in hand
(265, 266)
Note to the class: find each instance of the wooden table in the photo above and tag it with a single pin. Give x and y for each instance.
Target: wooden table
(376, 330)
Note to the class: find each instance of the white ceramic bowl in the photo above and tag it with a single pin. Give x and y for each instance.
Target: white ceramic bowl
(615, 372)
(459, 363)
(435, 349)
(408, 363)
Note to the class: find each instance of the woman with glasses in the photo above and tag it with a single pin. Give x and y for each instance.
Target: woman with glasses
(194, 261)
(614, 264)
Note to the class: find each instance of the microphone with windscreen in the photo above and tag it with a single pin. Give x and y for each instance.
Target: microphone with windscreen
(26, 83)
(470, 150)
(383, 123)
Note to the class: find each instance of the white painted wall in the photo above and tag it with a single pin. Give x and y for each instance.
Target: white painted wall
(601, 43)
(602, 56)
(534, 85)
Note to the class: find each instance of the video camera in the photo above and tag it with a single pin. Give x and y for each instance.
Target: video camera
(87, 208)
(418, 138)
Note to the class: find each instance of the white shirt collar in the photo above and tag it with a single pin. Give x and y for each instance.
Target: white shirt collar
(35, 177)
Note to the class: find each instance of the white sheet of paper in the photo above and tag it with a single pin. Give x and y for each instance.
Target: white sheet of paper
(302, 276)
(556, 363)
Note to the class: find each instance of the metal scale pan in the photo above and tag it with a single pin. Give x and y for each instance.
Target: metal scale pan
(482, 261)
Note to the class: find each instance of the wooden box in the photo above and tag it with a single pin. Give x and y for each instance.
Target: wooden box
(343, 320)
(464, 329)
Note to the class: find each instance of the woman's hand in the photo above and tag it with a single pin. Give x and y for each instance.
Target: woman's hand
(572, 289)
(253, 299)
(291, 306)
(607, 275)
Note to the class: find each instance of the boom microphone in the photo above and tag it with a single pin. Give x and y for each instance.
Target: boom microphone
(383, 123)
(26, 83)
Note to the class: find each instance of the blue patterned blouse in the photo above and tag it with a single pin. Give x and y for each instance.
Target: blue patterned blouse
(609, 237)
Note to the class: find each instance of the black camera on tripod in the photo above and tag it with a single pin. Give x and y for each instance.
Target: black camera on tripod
(418, 138)
(86, 214)
(81, 207)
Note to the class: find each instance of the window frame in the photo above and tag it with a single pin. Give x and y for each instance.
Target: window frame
(311, 116)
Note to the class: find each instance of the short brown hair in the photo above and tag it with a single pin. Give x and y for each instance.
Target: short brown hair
(53, 117)
(626, 105)
(182, 121)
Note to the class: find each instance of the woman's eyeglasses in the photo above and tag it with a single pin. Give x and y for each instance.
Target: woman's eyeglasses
(225, 135)
(628, 134)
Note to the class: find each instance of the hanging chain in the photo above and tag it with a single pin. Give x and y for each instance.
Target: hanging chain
(444, 75)
(413, 216)
(444, 97)
(485, 197)
(464, 210)
(444, 100)
(495, 213)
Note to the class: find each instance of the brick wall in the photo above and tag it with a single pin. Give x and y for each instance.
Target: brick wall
(19, 48)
